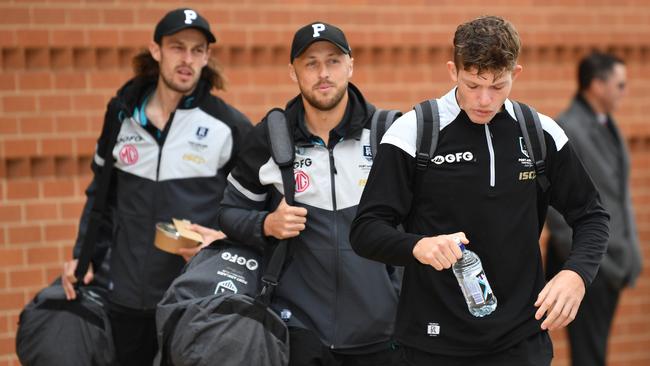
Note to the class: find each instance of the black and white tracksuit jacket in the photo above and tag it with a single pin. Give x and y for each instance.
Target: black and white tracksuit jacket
(480, 182)
(349, 301)
(181, 175)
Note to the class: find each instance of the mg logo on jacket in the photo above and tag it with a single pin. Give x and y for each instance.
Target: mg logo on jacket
(302, 181)
(129, 154)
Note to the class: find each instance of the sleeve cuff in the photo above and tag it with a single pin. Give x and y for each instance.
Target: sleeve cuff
(585, 278)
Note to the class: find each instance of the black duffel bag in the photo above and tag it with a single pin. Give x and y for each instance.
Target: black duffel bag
(209, 315)
(217, 311)
(55, 331)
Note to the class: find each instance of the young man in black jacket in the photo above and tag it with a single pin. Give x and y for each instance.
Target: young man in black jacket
(172, 158)
(474, 190)
(339, 307)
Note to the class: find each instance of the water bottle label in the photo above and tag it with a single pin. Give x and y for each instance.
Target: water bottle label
(478, 288)
(473, 289)
(485, 286)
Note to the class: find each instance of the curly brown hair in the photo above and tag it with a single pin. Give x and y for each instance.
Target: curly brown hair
(488, 44)
(146, 67)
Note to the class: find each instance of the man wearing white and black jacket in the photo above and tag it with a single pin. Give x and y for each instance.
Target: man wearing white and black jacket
(339, 307)
(483, 193)
(172, 159)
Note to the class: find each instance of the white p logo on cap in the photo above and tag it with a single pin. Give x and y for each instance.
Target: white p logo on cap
(190, 15)
(318, 27)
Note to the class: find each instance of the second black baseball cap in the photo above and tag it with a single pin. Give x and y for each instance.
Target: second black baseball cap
(318, 31)
(179, 19)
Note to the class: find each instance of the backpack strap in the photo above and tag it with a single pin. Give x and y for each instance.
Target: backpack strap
(428, 130)
(381, 120)
(283, 153)
(426, 141)
(531, 129)
(116, 111)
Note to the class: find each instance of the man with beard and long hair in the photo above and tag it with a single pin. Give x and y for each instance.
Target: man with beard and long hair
(338, 306)
(172, 157)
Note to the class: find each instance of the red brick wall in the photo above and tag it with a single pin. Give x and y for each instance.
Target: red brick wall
(60, 61)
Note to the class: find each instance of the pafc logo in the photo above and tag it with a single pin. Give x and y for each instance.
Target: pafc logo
(201, 132)
(453, 158)
(367, 152)
(522, 147)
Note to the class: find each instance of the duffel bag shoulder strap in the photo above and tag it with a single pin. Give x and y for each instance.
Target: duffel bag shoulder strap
(283, 153)
(282, 149)
(115, 114)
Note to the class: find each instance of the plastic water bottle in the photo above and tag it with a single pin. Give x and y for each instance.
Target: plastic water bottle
(473, 282)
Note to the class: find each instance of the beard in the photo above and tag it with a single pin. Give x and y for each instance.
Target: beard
(179, 88)
(327, 104)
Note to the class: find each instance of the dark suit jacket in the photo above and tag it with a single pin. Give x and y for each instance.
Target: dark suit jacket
(603, 153)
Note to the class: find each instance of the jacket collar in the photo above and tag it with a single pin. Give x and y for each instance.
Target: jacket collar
(137, 89)
(581, 102)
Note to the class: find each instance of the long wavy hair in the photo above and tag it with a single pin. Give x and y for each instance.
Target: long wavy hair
(146, 67)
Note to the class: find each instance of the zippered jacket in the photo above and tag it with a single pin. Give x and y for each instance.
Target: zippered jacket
(480, 181)
(349, 301)
(154, 180)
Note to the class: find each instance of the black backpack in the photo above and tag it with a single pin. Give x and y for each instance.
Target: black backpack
(381, 120)
(55, 331)
(428, 129)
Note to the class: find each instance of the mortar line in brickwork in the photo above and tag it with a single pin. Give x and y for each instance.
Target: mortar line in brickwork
(103, 57)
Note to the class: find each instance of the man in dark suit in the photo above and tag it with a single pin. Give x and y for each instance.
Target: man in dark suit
(597, 141)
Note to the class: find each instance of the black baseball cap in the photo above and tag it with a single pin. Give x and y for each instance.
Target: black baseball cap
(179, 19)
(318, 31)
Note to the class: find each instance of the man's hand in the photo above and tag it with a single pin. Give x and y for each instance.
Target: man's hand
(208, 235)
(68, 279)
(441, 251)
(285, 222)
(560, 300)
